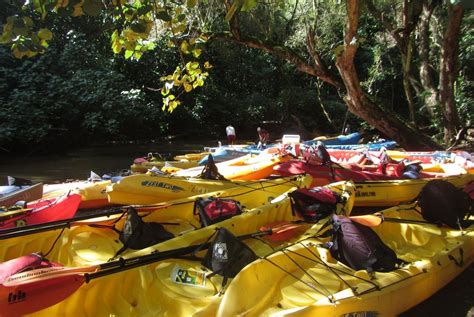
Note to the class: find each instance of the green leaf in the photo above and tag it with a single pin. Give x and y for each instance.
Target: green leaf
(184, 47)
(187, 87)
(45, 34)
(191, 3)
(248, 5)
(180, 28)
(116, 46)
(28, 21)
(137, 55)
(128, 54)
(196, 52)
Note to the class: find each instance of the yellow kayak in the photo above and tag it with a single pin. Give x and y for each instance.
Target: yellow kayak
(143, 167)
(247, 167)
(394, 192)
(302, 281)
(180, 211)
(143, 189)
(191, 156)
(134, 292)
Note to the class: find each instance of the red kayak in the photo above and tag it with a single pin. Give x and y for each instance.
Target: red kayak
(325, 174)
(360, 157)
(63, 207)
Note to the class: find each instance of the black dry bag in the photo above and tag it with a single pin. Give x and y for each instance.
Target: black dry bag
(227, 255)
(137, 234)
(359, 247)
(315, 203)
(213, 210)
(442, 202)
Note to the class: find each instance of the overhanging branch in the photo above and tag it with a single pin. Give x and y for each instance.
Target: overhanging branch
(287, 55)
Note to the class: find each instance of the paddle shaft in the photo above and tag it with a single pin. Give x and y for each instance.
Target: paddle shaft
(410, 221)
(126, 264)
(58, 224)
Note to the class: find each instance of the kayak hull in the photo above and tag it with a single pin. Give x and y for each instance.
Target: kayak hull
(434, 255)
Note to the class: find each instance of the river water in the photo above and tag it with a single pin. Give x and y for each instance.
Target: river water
(456, 299)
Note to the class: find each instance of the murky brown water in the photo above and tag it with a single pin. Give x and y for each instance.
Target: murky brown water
(456, 299)
(78, 164)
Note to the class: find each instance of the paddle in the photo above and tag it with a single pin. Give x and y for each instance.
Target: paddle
(67, 223)
(285, 230)
(34, 290)
(377, 219)
(121, 264)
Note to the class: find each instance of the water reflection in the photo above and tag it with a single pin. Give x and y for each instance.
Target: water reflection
(100, 159)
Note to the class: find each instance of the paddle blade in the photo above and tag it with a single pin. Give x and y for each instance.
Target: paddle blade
(283, 230)
(31, 297)
(367, 220)
(42, 274)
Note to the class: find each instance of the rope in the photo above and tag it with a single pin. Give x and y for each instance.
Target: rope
(300, 280)
(54, 243)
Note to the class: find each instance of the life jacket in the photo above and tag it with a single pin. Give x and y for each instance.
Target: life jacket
(213, 210)
(314, 203)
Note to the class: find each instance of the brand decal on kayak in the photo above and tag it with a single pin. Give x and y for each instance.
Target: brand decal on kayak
(365, 194)
(16, 297)
(162, 185)
(188, 277)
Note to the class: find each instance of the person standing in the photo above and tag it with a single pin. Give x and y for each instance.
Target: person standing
(263, 137)
(230, 131)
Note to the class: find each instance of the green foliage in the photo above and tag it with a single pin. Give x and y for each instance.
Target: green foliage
(75, 89)
(68, 94)
(465, 84)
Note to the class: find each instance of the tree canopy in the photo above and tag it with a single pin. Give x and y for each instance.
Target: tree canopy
(401, 67)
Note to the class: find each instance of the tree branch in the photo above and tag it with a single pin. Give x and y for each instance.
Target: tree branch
(287, 55)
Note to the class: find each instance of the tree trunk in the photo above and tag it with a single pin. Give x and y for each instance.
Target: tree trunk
(426, 69)
(449, 70)
(404, 41)
(406, 64)
(359, 104)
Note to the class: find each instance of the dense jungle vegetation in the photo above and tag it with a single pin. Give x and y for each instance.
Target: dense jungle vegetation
(76, 72)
